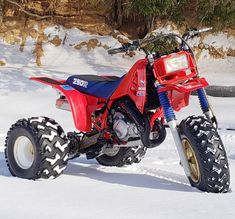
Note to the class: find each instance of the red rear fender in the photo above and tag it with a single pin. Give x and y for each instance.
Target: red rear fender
(48, 81)
(78, 102)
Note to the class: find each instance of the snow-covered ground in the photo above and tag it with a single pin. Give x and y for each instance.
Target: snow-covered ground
(155, 188)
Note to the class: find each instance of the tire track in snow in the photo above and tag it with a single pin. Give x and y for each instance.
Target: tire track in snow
(228, 138)
(169, 176)
(2, 141)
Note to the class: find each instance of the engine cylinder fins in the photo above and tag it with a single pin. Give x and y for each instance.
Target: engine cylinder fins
(128, 107)
(133, 113)
(123, 127)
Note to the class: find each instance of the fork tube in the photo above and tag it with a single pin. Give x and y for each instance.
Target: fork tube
(205, 106)
(171, 120)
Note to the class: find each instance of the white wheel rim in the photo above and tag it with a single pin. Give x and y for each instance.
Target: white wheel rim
(24, 152)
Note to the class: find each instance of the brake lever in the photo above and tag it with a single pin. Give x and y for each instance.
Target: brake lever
(136, 43)
(190, 34)
(132, 46)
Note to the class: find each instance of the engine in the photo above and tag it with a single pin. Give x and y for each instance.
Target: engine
(123, 127)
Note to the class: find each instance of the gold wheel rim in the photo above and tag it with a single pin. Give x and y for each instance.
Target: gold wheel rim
(192, 160)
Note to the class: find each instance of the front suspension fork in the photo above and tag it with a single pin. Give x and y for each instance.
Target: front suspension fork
(205, 106)
(171, 120)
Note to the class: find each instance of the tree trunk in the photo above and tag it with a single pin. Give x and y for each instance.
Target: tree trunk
(117, 15)
(2, 3)
(150, 24)
(119, 12)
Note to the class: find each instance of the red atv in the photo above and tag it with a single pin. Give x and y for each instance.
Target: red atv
(118, 119)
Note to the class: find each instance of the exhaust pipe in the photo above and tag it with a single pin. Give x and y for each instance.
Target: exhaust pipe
(129, 144)
(63, 104)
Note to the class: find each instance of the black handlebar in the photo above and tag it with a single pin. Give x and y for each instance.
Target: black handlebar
(142, 43)
(125, 47)
(117, 50)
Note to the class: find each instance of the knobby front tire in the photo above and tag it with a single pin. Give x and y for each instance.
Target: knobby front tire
(206, 155)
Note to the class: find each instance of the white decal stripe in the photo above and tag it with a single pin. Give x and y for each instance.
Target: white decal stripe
(46, 171)
(47, 148)
(66, 158)
(40, 127)
(51, 136)
(39, 119)
(58, 169)
(52, 125)
(53, 161)
(61, 147)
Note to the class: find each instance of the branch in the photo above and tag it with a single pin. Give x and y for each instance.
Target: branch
(27, 12)
(39, 16)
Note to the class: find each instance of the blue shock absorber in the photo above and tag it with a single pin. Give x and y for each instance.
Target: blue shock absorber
(203, 100)
(171, 120)
(164, 100)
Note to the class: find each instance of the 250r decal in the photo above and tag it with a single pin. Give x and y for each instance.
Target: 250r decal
(80, 83)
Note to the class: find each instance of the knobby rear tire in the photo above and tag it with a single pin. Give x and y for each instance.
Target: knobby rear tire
(125, 156)
(48, 142)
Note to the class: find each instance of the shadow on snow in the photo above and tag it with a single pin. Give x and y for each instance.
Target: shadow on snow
(93, 171)
(3, 166)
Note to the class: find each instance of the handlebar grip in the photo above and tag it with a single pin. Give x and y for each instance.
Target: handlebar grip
(192, 33)
(205, 29)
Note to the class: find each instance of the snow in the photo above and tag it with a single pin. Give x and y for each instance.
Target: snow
(155, 188)
(212, 69)
(220, 40)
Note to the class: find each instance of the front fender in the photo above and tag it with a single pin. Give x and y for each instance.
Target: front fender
(189, 86)
(179, 93)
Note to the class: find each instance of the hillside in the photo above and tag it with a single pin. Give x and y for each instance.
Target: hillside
(134, 17)
(23, 20)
